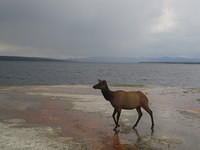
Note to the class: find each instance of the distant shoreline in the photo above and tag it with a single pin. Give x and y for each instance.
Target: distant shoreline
(169, 62)
(34, 59)
(96, 60)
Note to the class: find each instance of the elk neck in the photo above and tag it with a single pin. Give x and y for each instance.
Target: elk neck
(107, 93)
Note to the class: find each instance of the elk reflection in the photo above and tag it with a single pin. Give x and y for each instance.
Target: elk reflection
(117, 145)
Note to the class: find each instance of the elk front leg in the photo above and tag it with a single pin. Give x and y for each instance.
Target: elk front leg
(118, 115)
(113, 115)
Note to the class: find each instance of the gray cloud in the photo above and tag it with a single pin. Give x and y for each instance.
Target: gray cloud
(64, 28)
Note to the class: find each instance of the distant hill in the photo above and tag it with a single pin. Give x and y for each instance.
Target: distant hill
(20, 58)
(106, 59)
(175, 60)
(184, 60)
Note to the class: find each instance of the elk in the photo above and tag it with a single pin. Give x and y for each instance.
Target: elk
(125, 100)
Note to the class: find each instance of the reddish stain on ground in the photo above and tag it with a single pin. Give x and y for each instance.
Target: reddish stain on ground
(89, 128)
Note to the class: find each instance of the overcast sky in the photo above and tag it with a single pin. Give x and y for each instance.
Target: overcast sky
(85, 28)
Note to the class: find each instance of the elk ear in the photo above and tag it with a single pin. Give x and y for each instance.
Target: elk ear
(104, 81)
(99, 80)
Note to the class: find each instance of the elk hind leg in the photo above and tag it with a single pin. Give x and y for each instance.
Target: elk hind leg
(139, 116)
(146, 107)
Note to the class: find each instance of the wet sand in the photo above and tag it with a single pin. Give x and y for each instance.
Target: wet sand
(78, 118)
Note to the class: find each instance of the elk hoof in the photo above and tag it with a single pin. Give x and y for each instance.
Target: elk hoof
(114, 129)
(152, 128)
(134, 127)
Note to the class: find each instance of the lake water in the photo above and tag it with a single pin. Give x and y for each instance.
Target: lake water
(51, 73)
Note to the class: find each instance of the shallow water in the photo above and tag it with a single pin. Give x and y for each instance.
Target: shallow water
(79, 117)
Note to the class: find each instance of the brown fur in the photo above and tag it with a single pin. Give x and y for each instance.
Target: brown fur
(125, 100)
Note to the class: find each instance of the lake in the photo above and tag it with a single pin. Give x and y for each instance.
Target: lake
(51, 73)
